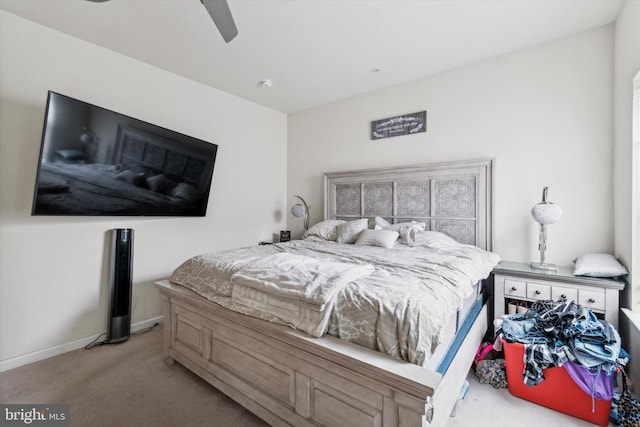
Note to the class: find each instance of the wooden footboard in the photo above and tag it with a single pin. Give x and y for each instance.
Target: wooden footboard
(289, 378)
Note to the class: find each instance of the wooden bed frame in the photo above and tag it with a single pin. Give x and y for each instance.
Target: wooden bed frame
(289, 378)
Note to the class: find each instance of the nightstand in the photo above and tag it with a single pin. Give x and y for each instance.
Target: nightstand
(516, 281)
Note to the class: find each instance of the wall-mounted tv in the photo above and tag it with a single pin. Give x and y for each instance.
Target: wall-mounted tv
(94, 161)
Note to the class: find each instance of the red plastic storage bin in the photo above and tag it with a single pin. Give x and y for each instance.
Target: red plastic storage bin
(558, 391)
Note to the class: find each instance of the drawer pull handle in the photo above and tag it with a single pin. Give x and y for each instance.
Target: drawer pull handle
(513, 288)
(591, 300)
(537, 292)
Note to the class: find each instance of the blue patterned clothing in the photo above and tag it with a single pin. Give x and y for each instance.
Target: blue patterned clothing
(556, 331)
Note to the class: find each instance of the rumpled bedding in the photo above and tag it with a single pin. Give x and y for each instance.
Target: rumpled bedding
(299, 278)
(401, 308)
(298, 290)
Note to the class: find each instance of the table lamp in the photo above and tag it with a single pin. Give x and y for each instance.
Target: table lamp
(545, 213)
(301, 210)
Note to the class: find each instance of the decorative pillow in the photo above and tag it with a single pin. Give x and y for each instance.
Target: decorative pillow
(433, 239)
(160, 183)
(407, 230)
(184, 191)
(598, 265)
(382, 238)
(349, 231)
(326, 230)
(380, 223)
(132, 178)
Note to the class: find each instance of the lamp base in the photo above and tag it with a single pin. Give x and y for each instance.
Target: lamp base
(543, 266)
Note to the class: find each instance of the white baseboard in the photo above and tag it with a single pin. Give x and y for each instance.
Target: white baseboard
(146, 324)
(36, 356)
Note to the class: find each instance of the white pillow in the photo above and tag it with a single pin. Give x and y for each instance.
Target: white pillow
(161, 184)
(382, 238)
(349, 231)
(326, 230)
(406, 230)
(598, 265)
(380, 223)
(184, 191)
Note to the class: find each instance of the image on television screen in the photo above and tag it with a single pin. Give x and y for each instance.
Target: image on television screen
(94, 161)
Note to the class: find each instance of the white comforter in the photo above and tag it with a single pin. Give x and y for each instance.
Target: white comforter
(298, 278)
(400, 309)
(298, 290)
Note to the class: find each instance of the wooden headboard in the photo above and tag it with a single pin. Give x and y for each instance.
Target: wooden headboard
(454, 198)
(180, 162)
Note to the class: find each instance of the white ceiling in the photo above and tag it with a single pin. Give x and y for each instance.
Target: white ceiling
(316, 51)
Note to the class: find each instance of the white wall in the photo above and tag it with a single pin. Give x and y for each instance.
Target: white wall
(53, 271)
(626, 190)
(544, 114)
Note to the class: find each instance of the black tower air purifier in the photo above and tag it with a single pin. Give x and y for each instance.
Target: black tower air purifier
(120, 285)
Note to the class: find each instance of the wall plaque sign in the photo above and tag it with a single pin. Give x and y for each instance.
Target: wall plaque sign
(400, 125)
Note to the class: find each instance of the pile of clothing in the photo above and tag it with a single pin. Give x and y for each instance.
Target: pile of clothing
(563, 333)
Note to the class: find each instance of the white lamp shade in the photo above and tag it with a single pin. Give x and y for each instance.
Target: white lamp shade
(546, 213)
(298, 210)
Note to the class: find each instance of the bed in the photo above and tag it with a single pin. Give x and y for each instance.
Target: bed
(147, 173)
(287, 376)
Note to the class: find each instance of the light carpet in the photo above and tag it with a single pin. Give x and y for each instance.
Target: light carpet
(128, 384)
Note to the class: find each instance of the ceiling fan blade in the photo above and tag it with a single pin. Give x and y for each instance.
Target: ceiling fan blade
(221, 15)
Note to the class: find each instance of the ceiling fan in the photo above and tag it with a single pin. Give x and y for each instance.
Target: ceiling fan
(220, 13)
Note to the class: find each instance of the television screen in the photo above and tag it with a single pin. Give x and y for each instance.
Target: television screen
(94, 161)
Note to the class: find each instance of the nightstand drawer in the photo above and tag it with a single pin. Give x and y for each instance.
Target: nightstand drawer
(515, 288)
(538, 291)
(559, 292)
(517, 283)
(591, 299)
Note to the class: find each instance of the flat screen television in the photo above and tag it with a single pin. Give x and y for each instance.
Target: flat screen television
(94, 161)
